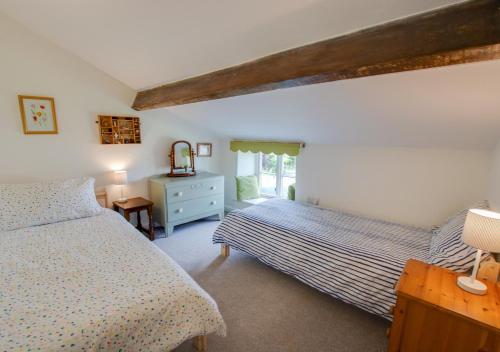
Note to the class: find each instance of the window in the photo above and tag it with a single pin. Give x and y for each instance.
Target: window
(275, 173)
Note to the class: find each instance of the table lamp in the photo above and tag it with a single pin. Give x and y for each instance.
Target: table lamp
(481, 231)
(121, 180)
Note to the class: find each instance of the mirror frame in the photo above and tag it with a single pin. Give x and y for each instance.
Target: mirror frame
(172, 161)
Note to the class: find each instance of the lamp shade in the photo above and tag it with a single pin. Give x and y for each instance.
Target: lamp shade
(482, 230)
(120, 177)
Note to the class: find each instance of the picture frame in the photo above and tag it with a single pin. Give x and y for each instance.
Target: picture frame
(204, 149)
(38, 114)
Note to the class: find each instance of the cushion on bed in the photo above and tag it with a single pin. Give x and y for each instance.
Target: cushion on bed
(25, 205)
(447, 248)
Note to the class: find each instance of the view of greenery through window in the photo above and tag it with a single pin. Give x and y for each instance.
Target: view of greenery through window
(277, 173)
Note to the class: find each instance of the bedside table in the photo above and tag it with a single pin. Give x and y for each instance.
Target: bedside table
(136, 205)
(433, 314)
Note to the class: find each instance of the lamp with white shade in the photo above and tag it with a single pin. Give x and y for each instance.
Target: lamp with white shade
(121, 180)
(481, 231)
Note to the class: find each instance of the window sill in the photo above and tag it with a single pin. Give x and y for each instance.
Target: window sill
(255, 201)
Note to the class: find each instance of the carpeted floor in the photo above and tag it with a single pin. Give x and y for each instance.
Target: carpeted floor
(264, 309)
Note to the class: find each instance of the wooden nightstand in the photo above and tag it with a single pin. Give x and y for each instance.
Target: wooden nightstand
(136, 205)
(102, 199)
(433, 314)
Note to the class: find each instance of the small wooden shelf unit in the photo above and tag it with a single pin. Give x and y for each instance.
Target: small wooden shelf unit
(119, 130)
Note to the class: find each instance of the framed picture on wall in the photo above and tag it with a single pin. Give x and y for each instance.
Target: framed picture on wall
(38, 114)
(204, 149)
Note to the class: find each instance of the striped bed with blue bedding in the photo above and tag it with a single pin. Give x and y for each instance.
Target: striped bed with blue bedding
(352, 258)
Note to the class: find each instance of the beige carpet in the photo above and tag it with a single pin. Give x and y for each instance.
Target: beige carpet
(264, 309)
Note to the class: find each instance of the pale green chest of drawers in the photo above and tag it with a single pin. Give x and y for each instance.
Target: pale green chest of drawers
(178, 200)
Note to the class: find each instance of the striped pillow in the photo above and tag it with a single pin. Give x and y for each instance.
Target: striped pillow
(447, 249)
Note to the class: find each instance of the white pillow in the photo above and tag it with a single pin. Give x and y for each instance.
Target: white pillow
(447, 249)
(25, 205)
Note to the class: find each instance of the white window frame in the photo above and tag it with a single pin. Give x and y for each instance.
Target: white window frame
(279, 175)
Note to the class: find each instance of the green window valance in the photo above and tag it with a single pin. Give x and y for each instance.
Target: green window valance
(278, 148)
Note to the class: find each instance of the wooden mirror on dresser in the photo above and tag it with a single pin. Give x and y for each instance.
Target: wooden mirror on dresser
(181, 160)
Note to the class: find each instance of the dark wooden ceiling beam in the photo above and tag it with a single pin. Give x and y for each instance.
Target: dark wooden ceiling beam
(462, 33)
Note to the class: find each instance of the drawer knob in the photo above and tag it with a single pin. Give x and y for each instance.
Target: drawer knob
(179, 194)
(179, 210)
(213, 188)
(213, 202)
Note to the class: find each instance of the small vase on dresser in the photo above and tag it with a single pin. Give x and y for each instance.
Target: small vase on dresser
(184, 199)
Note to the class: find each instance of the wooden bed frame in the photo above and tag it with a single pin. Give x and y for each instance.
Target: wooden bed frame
(225, 250)
(102, 198)
(200, 343)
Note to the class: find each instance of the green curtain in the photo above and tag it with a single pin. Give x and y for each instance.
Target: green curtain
(277, 148)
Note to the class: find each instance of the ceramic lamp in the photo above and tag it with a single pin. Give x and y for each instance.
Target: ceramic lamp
(481, 231)
(121, 180)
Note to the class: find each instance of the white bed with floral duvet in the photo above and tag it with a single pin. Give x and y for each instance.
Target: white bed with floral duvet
(76, 277)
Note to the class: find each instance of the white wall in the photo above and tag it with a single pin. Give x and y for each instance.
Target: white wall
(494, 192)
(236, 164)
(246, 163)
(31, 65)
(413, 186)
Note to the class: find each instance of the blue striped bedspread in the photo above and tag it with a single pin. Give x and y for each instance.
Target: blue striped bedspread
(355, 259)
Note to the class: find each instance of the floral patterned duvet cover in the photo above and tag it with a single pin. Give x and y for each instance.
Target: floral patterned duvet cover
(96, 284)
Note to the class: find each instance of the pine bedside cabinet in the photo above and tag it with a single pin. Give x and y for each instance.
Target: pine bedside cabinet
(433, 314)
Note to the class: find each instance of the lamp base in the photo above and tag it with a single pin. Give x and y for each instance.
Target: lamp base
(471, 285)
(122, 200)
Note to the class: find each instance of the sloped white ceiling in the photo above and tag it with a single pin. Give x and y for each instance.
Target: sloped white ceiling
(147, 42)
(144, 43)
(454, 106)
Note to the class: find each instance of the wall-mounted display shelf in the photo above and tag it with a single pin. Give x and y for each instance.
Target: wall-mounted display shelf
(119, 129)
